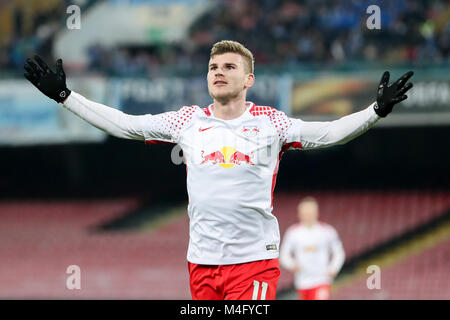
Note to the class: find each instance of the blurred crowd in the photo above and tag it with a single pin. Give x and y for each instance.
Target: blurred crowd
(283, 33)
(29, 26)
(288, 31)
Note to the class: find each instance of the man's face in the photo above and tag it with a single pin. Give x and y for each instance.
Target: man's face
(227, 76)
(308, 212)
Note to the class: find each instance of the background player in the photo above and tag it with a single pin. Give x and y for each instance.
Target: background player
(234, 237)
(306, 250)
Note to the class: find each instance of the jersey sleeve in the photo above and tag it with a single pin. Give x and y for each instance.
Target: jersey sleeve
(108, 119)
(167, 126)
(164, 127)
(281, 123)
(319, 134)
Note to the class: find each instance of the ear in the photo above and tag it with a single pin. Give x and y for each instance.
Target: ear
(249, 81)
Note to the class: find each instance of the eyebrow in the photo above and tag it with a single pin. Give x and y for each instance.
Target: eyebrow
(226, 63)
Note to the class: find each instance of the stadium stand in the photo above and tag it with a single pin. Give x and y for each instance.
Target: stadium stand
(321, 33)
(331, 34)
(29, 27)
(427, 270)
(365, 219)
(326, 30)
(368, 218)
(41, 239)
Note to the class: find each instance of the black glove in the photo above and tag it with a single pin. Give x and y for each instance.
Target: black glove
(52, 84)
(389, 95)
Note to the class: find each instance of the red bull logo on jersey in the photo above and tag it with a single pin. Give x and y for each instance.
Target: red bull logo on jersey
(250, 131)
(310, 248)
(227, 157)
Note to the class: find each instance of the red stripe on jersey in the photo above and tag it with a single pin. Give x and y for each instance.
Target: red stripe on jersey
(274, 177)
(274, 180)
(207, 111)
(295, 145)
(185, 162)
(157, 142)
(280, 155)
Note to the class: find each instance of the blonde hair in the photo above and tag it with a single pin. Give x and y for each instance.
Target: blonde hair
(226, 46)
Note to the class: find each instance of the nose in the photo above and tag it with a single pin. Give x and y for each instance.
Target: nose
(218, 73)
(218, 76)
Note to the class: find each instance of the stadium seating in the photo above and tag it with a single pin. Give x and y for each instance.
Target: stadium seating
(41, 239)
(143, 56)
(365, 219)
(283, 33)
(422, 276)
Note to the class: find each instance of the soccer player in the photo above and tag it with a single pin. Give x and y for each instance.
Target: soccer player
(232, 149)
(306, 249)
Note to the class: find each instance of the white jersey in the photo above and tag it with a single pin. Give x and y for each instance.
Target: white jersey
(317, 250)
(231, 168)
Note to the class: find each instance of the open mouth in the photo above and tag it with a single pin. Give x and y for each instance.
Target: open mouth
(219, 83)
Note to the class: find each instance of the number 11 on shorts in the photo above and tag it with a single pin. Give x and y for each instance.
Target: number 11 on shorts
(264, 286)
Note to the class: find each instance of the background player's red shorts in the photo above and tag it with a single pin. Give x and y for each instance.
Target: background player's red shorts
(318, 293)
(256, 280)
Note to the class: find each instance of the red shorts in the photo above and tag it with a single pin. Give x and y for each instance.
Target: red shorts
(318, 293)
(256, 280)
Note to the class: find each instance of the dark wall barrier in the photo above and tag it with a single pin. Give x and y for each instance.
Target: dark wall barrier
(381, 158)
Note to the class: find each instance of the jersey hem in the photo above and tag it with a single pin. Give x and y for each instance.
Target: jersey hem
(224, 262)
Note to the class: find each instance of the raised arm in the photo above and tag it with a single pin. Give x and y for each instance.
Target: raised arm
(315, 134)
(108, 119)
(319, 134)
(53, 85)
(164, 127)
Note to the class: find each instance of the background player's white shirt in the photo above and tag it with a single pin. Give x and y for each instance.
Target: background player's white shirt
(316, 249)
(231, 168)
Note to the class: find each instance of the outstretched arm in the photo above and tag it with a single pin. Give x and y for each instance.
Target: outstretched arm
(319, 134)
(108, 119)
(315, 134)
(158, 127)
(53, 85)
